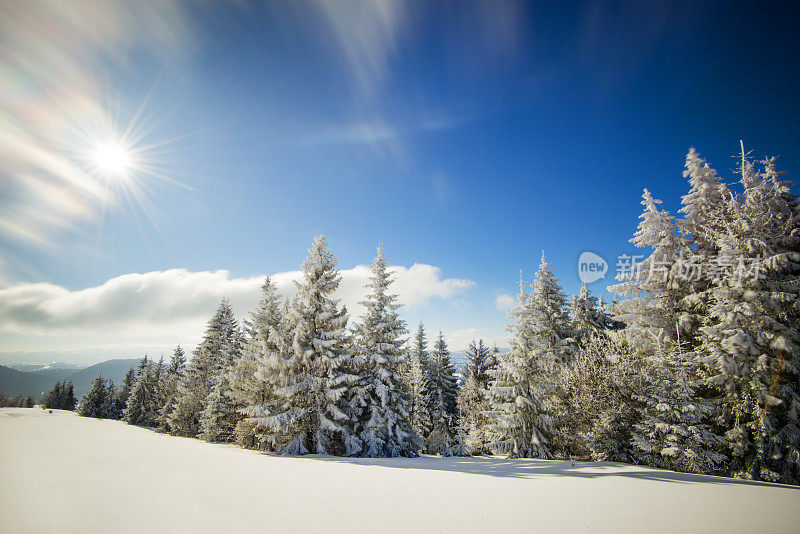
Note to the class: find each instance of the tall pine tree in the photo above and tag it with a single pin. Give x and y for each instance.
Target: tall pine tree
(385, 426)
(309, 415)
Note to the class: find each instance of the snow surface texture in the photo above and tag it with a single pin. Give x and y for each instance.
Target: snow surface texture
(65, 473)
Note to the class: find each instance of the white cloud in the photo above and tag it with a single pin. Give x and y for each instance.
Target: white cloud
(504, 302)
(164, 307)
(460, 339)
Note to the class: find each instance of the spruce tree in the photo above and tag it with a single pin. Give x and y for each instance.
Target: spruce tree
(750, 340)
(254, 378)
(219, 418)
(125, 390)
(473, 400)
(587, 318)
(520, 421)
(652, 288)
(673, 431)
(421, 387)
(384, 428)
(95, 402)
(174, 370)
(446, 420)
(112, 408)
(548, 322)
(216, 354)
(309, 417)
(142, 404)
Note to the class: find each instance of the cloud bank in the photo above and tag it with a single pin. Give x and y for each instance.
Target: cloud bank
(164, 307)
(504, 302)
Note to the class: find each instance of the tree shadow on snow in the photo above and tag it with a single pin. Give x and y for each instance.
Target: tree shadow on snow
(535, 468)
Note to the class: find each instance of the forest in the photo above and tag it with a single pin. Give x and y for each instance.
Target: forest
(692, 367)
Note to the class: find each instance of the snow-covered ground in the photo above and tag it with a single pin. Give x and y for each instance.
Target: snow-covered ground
(64, 473)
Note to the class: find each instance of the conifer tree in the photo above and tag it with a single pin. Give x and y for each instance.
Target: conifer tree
(445, 434)
(652, 289)
(112, 408)
(219, 418)
(587, 318)
(421, 386)
(673, 431)
(473, 402)
(750, 339)
(384, 428)
(253, 380)
(142, 404)
(60, 397)
(309, 417)
(125, 390)
(520, 422)
(177, 364)
(95, 402)
(216, 354)
(548, 321)
(604, 385)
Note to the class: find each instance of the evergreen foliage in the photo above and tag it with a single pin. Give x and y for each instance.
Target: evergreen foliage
(384, 427)
(310, 416)
(60, 397)
(217, 353)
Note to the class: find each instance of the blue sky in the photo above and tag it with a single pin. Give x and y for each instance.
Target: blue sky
(467, 137)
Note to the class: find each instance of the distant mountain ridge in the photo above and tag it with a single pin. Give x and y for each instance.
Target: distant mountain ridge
(14, 382)
(52, 366)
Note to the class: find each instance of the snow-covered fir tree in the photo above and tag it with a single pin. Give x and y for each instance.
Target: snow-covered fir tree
(444, 437)
(112, 408)
(587, 318)
(216, 354)
(672, 423)
(603, 385)
(548, 309)
(142, 406)
(160, 381)
(705, 208)
(473, 402)
(309, 417)
(520, 422)
(95, 402)
(126, 387)
(673, 431)
(421, 385)
(551, 345)
(255, 376)
(384, 427)
(651, 288)
(174, 370)
(750, 338)
(219, 416)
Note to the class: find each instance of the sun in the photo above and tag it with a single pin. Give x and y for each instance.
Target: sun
(112, 159)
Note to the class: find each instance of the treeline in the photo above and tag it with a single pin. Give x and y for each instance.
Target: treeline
(17, 402)
(693, 367)
(296, 378)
